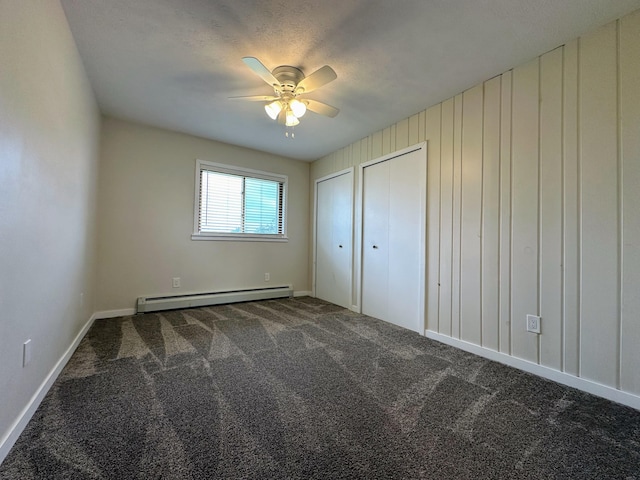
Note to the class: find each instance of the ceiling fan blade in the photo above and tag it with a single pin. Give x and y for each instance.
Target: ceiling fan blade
(262, 71)
(256, 98)
(321, 108)
(317, 79)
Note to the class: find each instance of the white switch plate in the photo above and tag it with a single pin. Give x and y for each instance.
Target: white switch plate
(176, 282)
(267, 277)
(533, 323)
(26, 353)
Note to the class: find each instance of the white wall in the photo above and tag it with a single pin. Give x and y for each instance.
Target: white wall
(145, 212)
(49, 127)
(533, 201)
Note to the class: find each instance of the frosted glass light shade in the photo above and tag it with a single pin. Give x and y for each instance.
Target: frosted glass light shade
(273, 109)
(291, 119)
(297, 107)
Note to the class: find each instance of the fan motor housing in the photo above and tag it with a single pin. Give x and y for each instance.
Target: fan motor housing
(288, 76)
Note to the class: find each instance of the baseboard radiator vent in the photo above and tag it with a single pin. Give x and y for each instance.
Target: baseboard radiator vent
(154, 304)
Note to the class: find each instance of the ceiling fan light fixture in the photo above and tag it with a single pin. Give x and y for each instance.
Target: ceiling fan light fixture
(297, 107)
(291, 119)
(288, 83)
(273, 109)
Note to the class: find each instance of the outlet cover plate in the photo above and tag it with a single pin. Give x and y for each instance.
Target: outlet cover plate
(533, 323)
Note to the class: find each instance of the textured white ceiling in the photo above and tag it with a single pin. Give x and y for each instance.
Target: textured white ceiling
(173, 63)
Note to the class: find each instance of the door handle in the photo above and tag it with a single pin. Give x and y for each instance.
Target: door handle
(375, 247)
(339, 246)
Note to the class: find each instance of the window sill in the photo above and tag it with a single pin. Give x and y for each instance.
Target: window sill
(238, 238)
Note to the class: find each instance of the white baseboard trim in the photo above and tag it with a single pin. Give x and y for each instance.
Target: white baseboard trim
(302, 293)
(569, 380)
(123, 312)
(10, 438)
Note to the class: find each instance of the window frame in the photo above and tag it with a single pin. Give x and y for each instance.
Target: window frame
(241, 172)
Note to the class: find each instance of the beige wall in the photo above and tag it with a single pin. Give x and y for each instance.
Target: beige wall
(533, 201)
(49, 127)
(146, 197)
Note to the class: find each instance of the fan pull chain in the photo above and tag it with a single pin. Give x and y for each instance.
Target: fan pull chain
(288, 134)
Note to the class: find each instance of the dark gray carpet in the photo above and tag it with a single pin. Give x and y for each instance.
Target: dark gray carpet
(299, 388)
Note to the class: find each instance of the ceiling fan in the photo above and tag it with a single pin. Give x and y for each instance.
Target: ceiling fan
(289, 84)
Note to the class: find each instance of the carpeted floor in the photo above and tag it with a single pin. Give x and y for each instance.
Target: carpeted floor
(299, 388)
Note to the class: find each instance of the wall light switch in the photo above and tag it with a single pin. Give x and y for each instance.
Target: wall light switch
(267, 277)
(176, 282)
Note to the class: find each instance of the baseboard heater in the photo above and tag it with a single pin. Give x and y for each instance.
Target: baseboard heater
(171, 302)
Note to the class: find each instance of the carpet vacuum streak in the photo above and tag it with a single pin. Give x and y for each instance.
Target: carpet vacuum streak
(301, 389)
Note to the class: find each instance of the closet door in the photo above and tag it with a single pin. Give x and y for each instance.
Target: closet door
(393, 226)
(334, 228)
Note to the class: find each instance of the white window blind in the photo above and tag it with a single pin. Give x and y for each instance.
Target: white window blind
(239, 203)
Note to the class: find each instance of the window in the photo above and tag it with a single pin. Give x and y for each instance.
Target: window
(233, 203)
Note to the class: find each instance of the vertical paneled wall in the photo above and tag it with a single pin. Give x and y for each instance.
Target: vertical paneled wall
(533, 207)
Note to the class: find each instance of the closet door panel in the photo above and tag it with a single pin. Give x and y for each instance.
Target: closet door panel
(404, 240)
(324, 240)
(342, 228)
(375, 241)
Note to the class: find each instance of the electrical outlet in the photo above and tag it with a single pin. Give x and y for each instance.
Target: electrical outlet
(176, 282)
(533, 323)
(267, 277)
(26, 353)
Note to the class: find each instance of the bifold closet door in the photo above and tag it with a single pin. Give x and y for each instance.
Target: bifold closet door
(333, 239)
(392, 262)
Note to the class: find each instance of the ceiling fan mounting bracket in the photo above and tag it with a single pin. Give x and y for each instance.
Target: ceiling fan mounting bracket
(288, 77)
